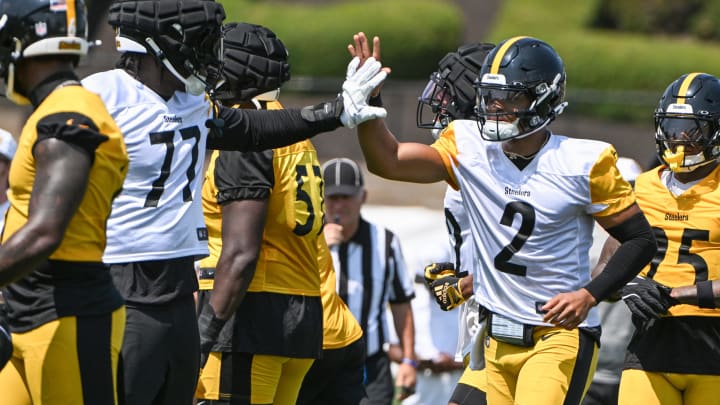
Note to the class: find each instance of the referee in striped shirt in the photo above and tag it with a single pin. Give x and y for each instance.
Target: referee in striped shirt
(371, 273)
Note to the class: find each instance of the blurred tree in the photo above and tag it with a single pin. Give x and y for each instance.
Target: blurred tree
(693, 17)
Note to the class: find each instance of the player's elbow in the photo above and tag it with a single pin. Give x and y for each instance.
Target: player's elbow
(43, 240)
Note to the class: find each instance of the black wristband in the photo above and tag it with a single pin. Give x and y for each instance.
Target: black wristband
(375, 101)
(705, 296)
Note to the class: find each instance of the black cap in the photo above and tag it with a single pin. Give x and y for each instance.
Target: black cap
(342, 176)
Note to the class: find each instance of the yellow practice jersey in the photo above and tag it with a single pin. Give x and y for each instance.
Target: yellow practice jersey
(291, 181)
(84, 239)
(340, 328)
(213, 220)
(687, 229)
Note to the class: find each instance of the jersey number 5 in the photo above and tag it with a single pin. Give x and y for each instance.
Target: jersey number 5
(305, 197)
(684, 255)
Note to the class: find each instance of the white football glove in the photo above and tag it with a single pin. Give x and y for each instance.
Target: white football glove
(358, 85)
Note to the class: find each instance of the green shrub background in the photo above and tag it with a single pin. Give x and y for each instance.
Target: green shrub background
(415, 34)
(612, 73)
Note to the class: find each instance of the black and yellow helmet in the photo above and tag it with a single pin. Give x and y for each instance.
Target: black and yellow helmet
(687, 122)
(520, 69)
(32, 28)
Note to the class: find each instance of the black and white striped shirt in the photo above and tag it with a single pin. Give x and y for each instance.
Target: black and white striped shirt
(371, 273)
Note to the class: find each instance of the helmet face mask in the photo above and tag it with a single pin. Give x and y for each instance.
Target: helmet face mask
(450, 92)
(433, 104)
(687, 123)
(521, 89)
(506, 111)
(185, 37)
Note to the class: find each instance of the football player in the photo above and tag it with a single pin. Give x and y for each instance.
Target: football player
(531, 197)
(274, 285)
(171, 56)
(63, 311)
(450, 95)
(675, 299)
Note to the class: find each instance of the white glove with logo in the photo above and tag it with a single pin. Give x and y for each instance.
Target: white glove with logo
(358, 85)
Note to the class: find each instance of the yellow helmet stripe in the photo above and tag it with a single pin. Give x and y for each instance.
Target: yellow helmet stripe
(71, 15)
(495, 66)
(684, 87)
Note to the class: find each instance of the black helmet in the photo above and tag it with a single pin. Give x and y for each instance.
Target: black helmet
(30, 28)
(255, 61)
(450, 93)
(523, 72)
(687, 122)
(184, 35)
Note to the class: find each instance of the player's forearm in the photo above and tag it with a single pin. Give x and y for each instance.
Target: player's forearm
(692, 294)
(232, 279)
(22, 253)
(254, 130)
(379, 146)
(637, 248)
(405, 328)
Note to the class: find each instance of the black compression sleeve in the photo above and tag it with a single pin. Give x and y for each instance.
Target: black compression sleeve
(637, 248)
(256, 130)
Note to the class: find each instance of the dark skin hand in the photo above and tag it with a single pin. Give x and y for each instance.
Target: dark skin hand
(243, 222)
(62, 172)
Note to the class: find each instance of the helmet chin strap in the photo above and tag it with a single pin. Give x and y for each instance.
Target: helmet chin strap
(193, 84)
(10, 92)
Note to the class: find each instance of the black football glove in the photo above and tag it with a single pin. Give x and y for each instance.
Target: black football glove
(6, 347)
(646, 298)
(210, 327)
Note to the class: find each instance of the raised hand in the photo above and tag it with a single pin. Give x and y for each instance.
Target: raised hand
(359, 83)
(361, 48)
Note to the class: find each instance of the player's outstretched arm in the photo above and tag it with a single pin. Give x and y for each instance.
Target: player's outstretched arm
(385, 156)
(256, 130)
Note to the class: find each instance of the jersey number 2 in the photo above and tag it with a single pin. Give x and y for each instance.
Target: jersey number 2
(527, 223)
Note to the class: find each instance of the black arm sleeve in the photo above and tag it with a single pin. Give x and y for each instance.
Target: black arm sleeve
(255, 130)
(637, 248)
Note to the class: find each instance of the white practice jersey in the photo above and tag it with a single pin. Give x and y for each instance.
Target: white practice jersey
(532, 228)
(458, 224)
(158, 214)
